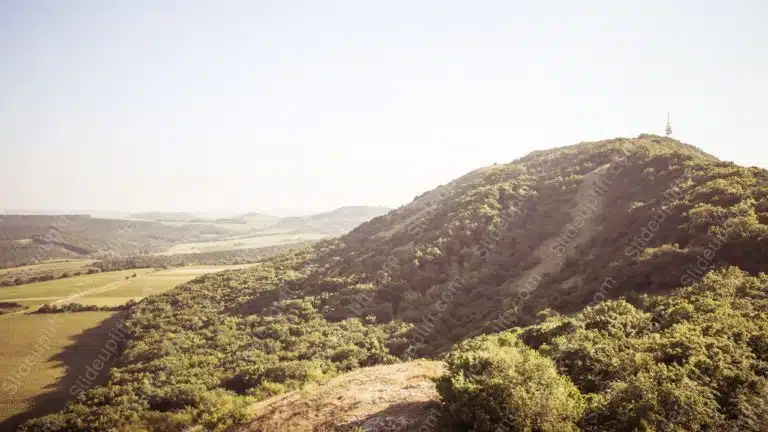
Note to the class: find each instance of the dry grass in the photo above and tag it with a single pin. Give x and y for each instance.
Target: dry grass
(56, 346)
(391, 398)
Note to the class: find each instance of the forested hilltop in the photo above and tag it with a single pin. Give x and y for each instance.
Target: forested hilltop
(605, 286)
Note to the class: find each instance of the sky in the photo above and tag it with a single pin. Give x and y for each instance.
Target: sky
(137, 105)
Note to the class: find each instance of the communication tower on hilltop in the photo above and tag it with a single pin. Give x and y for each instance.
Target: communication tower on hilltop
(668, 129)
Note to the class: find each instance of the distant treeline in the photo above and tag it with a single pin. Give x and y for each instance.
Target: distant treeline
(228, 257)
(6, 307)
(78, 307)
(23, 278)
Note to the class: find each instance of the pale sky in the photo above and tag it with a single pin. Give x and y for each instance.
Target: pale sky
(253, 105)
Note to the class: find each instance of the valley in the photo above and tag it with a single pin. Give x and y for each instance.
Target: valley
(33, 238)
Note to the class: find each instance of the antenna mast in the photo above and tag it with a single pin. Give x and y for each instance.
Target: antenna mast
(668, 129)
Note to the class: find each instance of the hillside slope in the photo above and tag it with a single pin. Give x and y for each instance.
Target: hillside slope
(509, 247)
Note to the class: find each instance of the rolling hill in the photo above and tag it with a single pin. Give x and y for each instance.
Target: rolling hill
(334, 222)
(165, 216)
(28, 239)
(605, 286)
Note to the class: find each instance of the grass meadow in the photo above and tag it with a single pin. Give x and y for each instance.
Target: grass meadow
(264, 239)
(105, 289)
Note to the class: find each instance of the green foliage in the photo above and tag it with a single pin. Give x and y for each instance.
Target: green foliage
(78, 307)
(663, 398)
(693, 360)
(497, 381)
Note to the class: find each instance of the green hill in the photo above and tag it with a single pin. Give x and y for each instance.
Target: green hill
(334, 222)
(504, 273)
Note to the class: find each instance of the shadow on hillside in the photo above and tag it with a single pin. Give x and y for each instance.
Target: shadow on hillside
(76, 358)
(401, 417)
(256, 304)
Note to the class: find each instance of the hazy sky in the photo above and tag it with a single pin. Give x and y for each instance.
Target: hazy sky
(224, 105)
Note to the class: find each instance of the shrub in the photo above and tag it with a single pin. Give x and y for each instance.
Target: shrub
(497, 380)
(661, 399)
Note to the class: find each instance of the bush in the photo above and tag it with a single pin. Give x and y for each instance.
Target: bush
(497, 381)
(661, 399)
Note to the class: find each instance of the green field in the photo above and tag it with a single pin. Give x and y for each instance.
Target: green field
(50, 291)
(58, 346)
(153, 282)
(263, 239)
(104, 289)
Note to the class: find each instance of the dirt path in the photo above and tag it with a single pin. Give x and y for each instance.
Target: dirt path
(388, 398)
(552, 253)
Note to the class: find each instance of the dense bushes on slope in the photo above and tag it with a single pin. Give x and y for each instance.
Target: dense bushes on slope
(666, 208)
(495, 381)
(695, 360)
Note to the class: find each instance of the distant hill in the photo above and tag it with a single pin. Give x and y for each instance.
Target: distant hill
(26, 239)
(257, 215)
(617, 285)
(165, 216)
(334, 222)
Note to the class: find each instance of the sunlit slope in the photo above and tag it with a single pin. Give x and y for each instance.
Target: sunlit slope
(504, 247)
